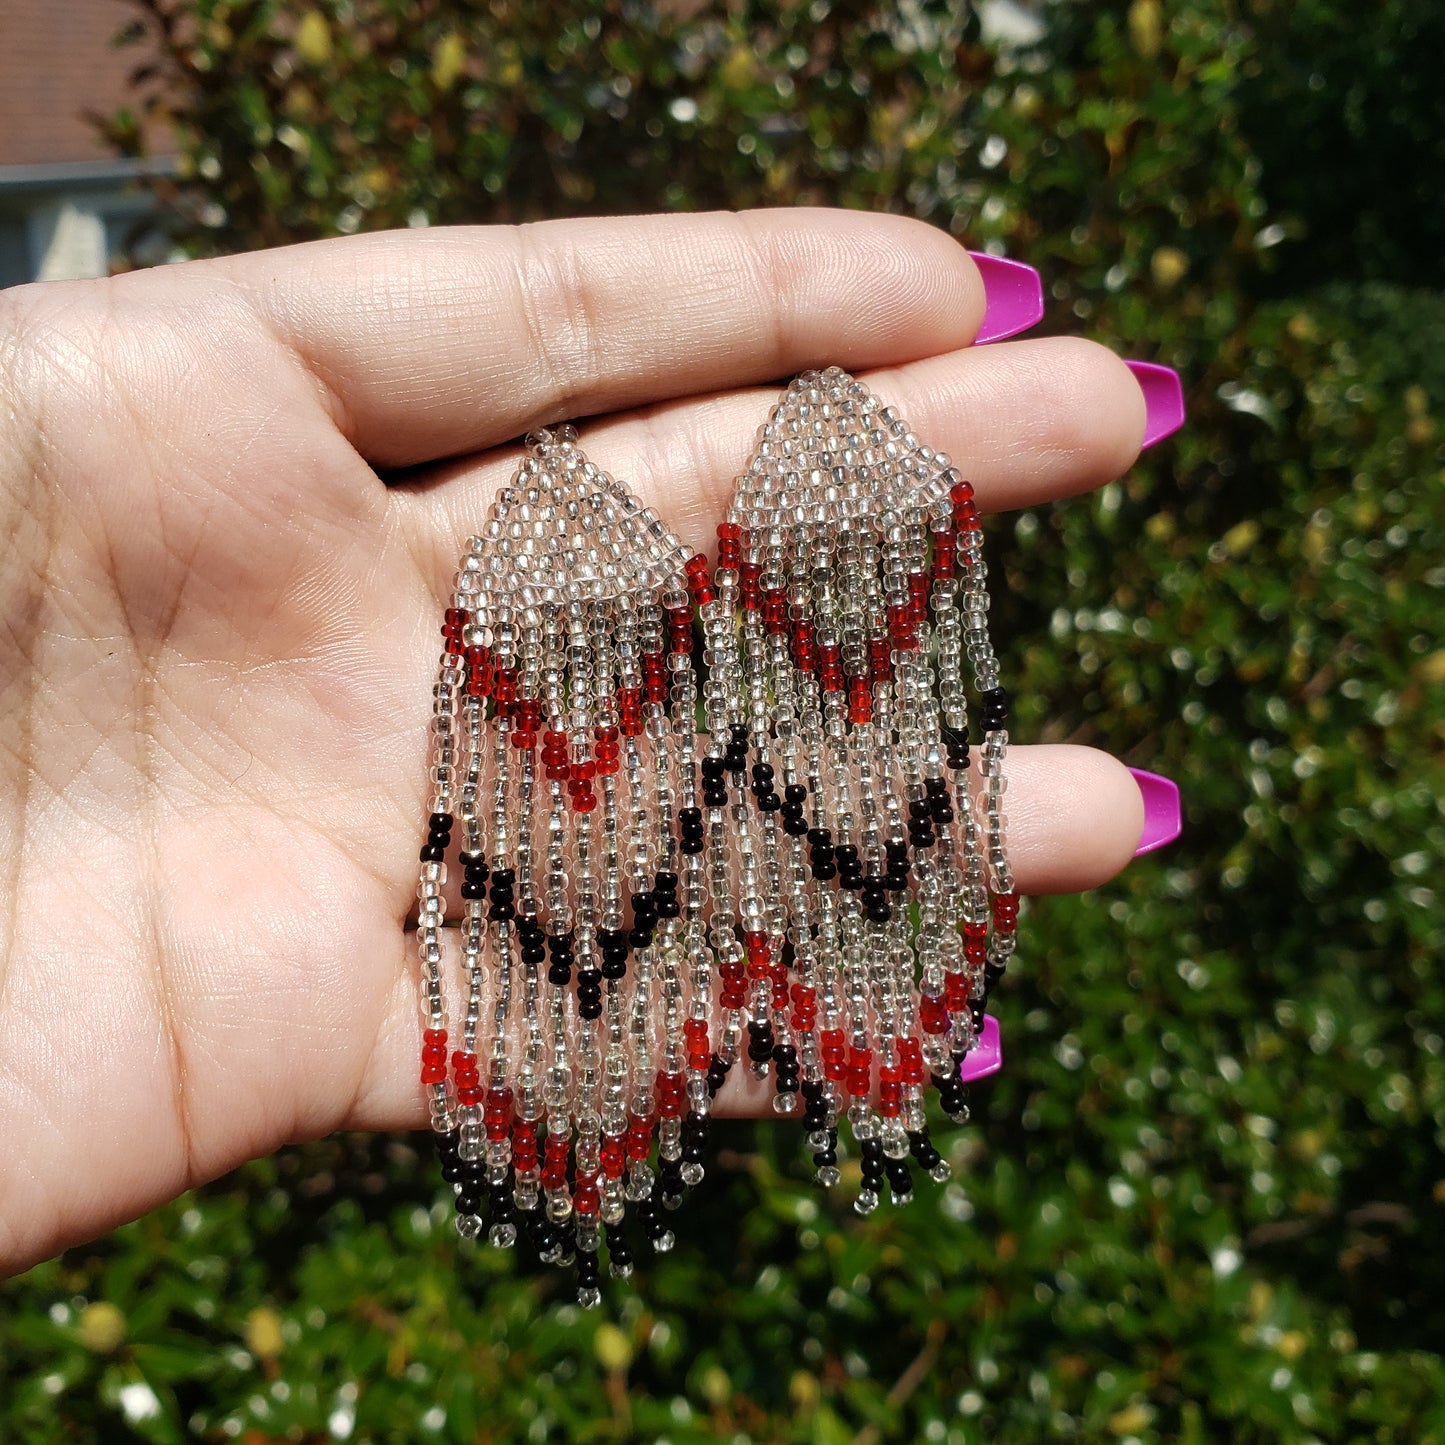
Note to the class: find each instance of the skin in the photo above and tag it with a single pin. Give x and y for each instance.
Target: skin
(235, 492)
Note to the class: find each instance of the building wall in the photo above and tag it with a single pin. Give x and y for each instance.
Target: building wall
(67, 202)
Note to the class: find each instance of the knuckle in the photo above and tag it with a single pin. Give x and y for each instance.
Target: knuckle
(561, 311)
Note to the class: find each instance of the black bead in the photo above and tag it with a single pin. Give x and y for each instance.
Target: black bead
(669, 1179)
(469, 1204)
(760, 1041)
(994, 701)
(795, 793)
(619, 1252)
(432, 852)
(439, 821)
(923, 1151)
(588, 1274)
(717, 1073)
(559, 974)
(900, 1180)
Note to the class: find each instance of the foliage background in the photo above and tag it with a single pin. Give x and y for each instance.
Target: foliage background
(1206, 1199)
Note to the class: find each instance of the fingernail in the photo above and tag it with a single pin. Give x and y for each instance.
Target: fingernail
(1162, 822)
(986, 1056)
(1013, 297)
(1163, 399)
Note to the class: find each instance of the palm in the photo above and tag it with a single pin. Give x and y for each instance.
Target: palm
(240, 770)
(220, 633)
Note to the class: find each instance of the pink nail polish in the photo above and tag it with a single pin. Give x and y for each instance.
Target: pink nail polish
(1162, 822)
(986, 1056)
(1013, 297)
(1163, 399)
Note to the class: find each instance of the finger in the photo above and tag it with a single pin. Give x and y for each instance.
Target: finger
(434, 343)
(1074, 819)
(1025, 421)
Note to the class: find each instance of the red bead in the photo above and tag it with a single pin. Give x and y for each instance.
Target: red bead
(434, 1036)
(614, 1155)
(585, 1197)
(933, 1015)
(910, 1058)
(1005, 912)
(639, 1139)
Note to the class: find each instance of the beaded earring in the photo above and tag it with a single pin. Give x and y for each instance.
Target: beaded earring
(853, 555)
(563, 735)
(847, 919)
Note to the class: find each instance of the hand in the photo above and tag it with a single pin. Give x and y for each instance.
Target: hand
(219, 624)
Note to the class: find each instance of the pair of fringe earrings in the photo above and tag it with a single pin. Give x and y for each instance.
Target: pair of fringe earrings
(765, 852)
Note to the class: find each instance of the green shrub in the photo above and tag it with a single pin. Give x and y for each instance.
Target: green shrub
(1205, 1199)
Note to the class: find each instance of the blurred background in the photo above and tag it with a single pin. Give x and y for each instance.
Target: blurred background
(1205, 1201)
